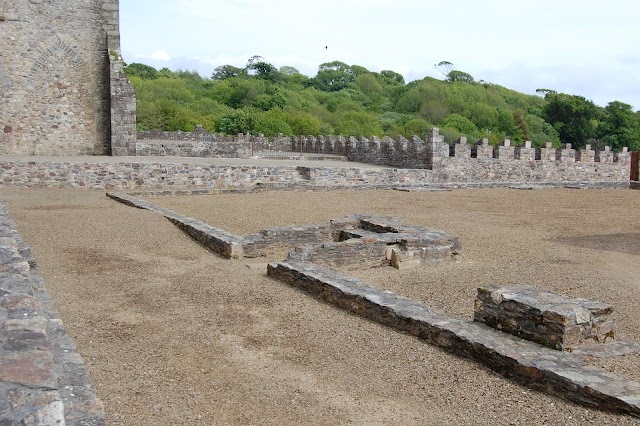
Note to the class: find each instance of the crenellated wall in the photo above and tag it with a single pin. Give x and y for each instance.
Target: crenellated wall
(480, 162)
(461, 162)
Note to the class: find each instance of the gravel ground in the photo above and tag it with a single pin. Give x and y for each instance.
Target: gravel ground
(175, 335)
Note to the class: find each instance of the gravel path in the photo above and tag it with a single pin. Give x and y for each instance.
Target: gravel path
(174, 335)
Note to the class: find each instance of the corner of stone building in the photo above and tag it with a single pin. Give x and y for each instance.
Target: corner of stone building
(122, 102)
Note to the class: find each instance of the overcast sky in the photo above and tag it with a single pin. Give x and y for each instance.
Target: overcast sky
(582, 47)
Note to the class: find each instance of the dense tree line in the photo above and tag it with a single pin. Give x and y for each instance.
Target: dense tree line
(353, 101)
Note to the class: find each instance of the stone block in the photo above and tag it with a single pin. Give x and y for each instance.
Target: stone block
(526, 152)
(483, 149)
(567, 154)
(547, 153)
(605, 155)
(402, 260)
(586, 155)
(544, 317)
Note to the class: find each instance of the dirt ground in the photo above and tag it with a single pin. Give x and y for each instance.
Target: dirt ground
(173, 335)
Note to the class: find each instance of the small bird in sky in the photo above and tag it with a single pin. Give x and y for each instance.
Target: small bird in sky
(326, 47)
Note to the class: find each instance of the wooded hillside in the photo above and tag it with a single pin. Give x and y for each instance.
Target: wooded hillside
(353, 101)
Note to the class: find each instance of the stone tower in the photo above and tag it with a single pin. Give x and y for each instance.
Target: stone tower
(62, 87)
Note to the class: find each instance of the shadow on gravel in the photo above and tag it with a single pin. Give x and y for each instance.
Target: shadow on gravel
(620, 243)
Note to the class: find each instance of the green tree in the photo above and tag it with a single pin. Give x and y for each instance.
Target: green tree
(571, 116)
(392, 77)
(289, 70)
(483, 115)
(434, 111)
(356, 123)
(143, 71)
(227, 71)
(271, 123)
(322, 104)
(455, 75)
(368, 84)
(416, 126)
(619, 128)
(238, 92)
(410, 101)
(545, 92)
(462, 124)
(523, 129)
(237, 121)
(302, 123)
(262, 69)
(358, 70)
(444, 67)
(333, 76)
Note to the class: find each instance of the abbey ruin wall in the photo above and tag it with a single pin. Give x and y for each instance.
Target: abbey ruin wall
(457, 163)
(56, 78)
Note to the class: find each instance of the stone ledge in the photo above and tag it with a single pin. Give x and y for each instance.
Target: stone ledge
(558, 373)
(43, 380)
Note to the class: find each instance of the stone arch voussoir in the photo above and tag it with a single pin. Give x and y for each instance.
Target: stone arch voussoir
(50, 48)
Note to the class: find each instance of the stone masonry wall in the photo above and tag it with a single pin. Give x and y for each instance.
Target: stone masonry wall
(122, 102)
(54, 76)
(442, 163)
(544, 317)
(127, 175)
(481, 162)
(177, 176)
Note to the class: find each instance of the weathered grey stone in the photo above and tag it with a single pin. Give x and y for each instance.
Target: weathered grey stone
(544, 317)
(558, 373)
(357, 241)
(54, 82)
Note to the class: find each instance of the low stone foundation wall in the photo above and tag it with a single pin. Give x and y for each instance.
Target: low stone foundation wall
(491, 169)
(559, 373)
(132, 176)
(351, 254)
(217, 240)
(43, 380)
(352, 242)
(285, 237)
(363, 241)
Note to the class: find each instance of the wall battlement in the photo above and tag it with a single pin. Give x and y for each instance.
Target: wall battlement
(461, 162)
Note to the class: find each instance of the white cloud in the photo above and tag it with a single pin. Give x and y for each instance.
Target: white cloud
(547, 43)
(160, 55)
